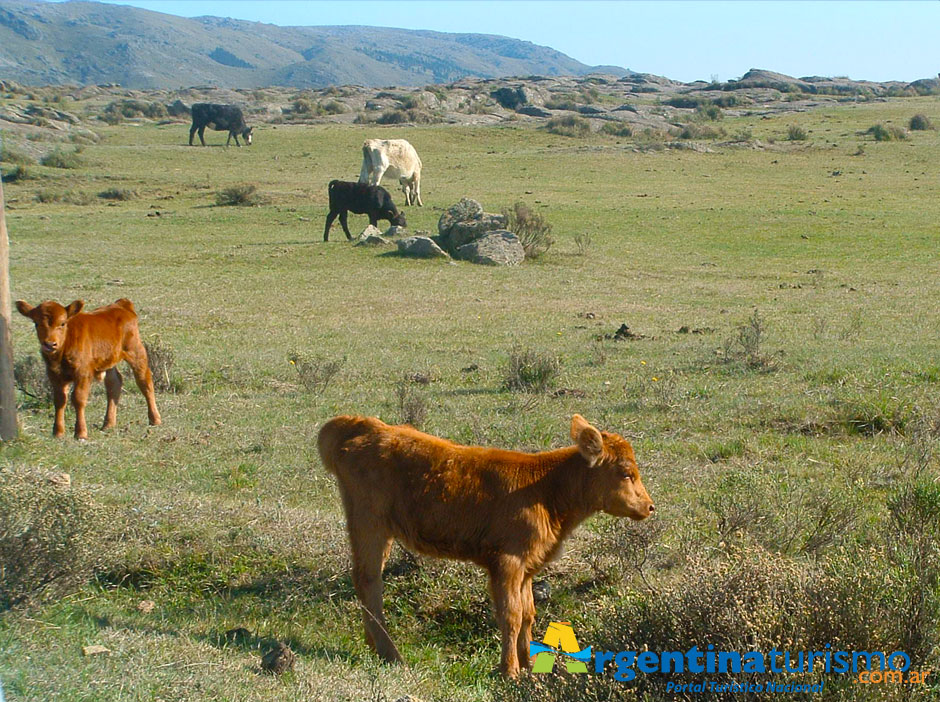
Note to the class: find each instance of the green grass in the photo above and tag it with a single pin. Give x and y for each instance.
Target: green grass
(232, 522)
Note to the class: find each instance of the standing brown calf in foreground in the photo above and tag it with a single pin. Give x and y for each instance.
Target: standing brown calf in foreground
(504, 510)
(79, 347)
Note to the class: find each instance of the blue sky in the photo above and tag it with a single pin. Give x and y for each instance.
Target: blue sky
(683, 40)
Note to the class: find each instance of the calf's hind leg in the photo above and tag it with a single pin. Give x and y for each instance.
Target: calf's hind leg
(136, 357)
(113, 382)
(369, 551)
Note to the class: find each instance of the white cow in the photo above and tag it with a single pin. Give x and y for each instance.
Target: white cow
(399, 159)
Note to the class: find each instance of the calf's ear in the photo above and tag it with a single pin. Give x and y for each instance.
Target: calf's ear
(589, 440)
(24, 308)
(74, 307)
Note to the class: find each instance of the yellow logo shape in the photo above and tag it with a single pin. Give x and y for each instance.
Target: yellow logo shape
(560, 638)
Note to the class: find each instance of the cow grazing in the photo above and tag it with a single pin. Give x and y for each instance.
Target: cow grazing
(506, 511)
(359, 198)
(399, 159)
(222, 118)
(79, 347)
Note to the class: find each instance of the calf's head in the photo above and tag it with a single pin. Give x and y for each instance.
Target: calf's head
(615, 482)
(246, 133)
(50, 319)
(398, 219)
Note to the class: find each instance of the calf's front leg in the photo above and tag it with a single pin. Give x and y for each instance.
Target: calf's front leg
(528, 619)
(506, 587)
(60, 393)
(79, 399)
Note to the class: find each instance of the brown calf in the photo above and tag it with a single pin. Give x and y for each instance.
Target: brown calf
(79, 347)
(504, 510)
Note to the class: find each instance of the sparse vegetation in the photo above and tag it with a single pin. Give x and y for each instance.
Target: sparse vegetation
(891, 132)
(316, 372)
(617, 129)
(122, 194)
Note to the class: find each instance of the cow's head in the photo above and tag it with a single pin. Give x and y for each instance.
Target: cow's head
(50, 319)
(398, 219)
(246, 133)
(615, 482)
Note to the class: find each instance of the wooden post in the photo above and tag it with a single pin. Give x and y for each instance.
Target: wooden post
(7, 384)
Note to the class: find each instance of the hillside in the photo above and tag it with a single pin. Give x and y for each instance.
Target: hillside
(93, 43)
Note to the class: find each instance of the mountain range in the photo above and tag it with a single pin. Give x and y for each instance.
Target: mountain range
(97, 43)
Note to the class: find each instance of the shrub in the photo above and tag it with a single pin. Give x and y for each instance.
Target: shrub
(333, 107)
(302, 106)
(700, 131)
(45, 195)
(920, 122)
(316, 372)
(617, 129)
(239, 195)
(52, 536)
(412, 403)
(8, 155)
(78, 197)
(797, 133)
(62, 159)
(161, 360)
(583, 242)
(569, 125)
(880, 132)
(29, 373)
(533, 231)
(561, 103)
(529, 370)
(686, 101)
(20, 173)
(414, 115)
(708, 112)
(119, 194)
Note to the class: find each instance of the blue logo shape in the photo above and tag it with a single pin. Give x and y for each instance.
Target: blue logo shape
(584, 655)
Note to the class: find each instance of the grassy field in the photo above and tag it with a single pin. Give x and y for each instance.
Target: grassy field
(790, 435)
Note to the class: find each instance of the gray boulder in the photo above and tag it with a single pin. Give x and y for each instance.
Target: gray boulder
(464, 232)
(463, 211)
(420, 247)
(496, 248)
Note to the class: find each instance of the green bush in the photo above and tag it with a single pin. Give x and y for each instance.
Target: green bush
(919, 123)
(797, 133)
(890, 132)
(52, 536)
(414, 115)
(8, 155)
(18, 174)
(569, 125)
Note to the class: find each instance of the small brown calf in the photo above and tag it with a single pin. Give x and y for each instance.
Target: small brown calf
(79, 347)
(506, 511)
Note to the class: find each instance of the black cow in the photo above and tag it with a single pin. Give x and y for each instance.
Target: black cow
(221, 118)
(360, 198)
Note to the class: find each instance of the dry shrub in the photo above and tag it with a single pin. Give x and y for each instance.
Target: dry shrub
(52, 537)
(316, 372)
(533, 231)
(62, 159)
(161, 359)
(244, 195)
(412, 402)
